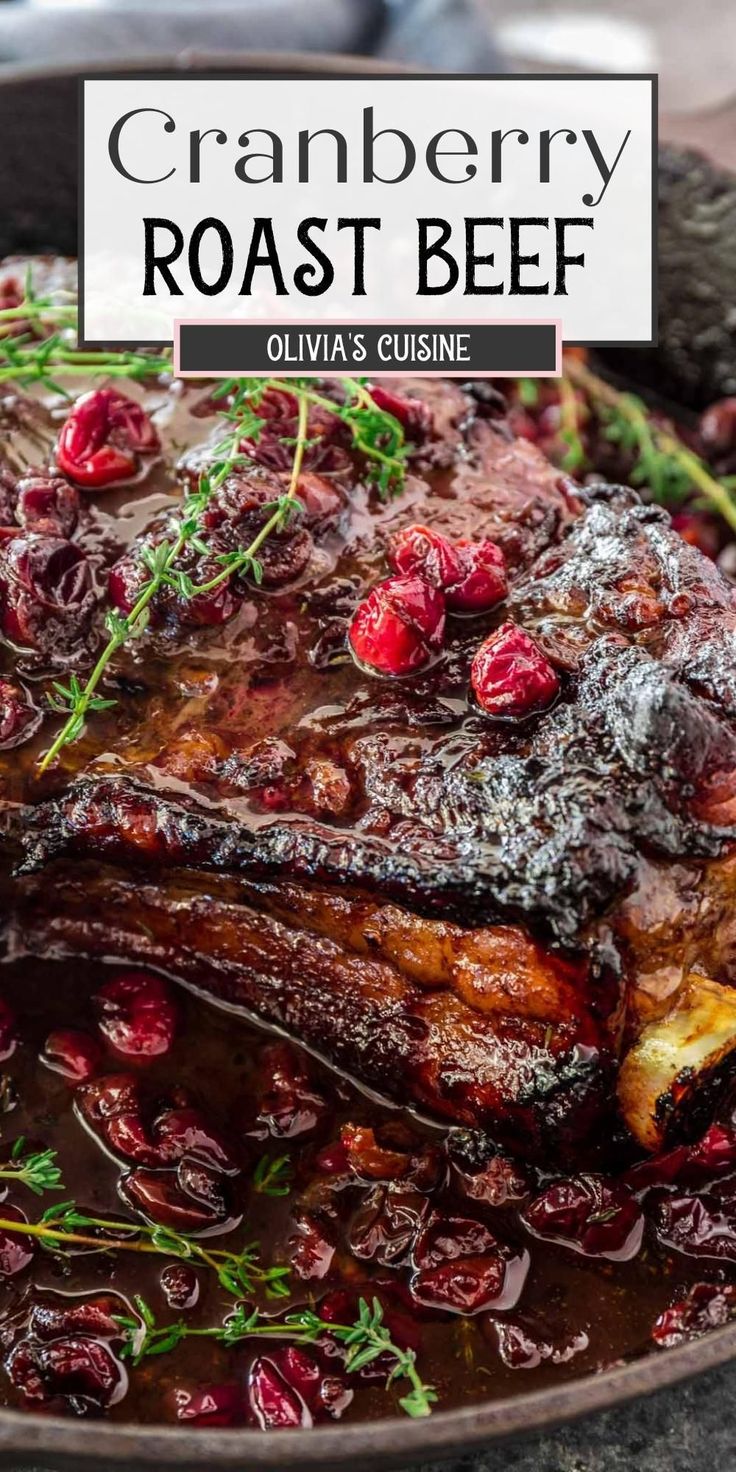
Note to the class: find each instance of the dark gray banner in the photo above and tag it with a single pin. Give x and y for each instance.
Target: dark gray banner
(473, 349)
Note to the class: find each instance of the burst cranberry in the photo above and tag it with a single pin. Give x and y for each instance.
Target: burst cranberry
(8, 1034)
(713, 1155)
(418, 551)
(179, 1285)
(185, 1131)
(525, 1343)
(212, 1405)
(481, 582)
(413, 414)
(705, 1306)
(82, 1369)
(45, 589)
(101, 442)
(16, 1250)
(129, 575)
(273, 1401)
(137, 1014)
(322, 501)
(698, 1226)
(95, 1316)
(510, 676)
(19, 718)
(47, 504)
(386, 1224)
(590, 1214)
(498, 1182)
(290, 1107)
(463, 1268)
(396, 629)
(74, 1054)
(190, 1199)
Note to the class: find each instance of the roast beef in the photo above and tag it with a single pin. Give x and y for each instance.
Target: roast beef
(524, 926)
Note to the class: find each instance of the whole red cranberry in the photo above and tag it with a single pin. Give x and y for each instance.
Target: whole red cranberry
(137, 1014)
(73, 1054)
(16, 1250)
(396, 629)
(101, 442)
(8, 1033)
(274, 1403)
(47, 504)
(718, 427)
(45, 588)
(418, 551)
(209, 1405)
(19, 718)
(481, 582)
(510, 676)
(590, 1214)
(705, 1306)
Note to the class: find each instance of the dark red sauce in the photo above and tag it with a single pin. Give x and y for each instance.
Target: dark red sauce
(502, 1279)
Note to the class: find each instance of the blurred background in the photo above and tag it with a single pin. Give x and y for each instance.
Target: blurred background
(628, 35)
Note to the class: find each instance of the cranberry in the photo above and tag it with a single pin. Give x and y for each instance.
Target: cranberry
(510, 676)
(179, 1285)
(718, 427)
(290, 1107)
(8, 1034)
(16, 1250)
(698, 531)
(342, 1307)
(129, 575)
(185, 1131)
(45, 586)
(413, 414)
(101, 441)
(82, 1368)
(592, 1215)
(73, 1054)
(481, 583)
(463, 1268)
(19, 719)
(705, 1306)
(211, 1405)
(137, 1014)
(498, 1182)
(698, 1226)
(289, 1388)
(95, 1316)
(418, 551)
(525, 1343)
(396, 629)
(385, 1225)
(712, 1155)
(273, 1401)
(311, 1249)
(190, 1199)
(47, 504)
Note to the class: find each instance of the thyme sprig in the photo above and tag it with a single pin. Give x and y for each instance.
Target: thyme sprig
(35, 1169)
(47, 350)
(273, 1175)
(239, 1273)
(365, 1341)
(662, 462)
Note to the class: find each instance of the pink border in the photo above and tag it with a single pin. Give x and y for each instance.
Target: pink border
(555, 322)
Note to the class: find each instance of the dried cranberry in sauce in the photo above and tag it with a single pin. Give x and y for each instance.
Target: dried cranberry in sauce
(47, 504)
(705, 1306)
(179, 1285)
(463, 1268)
(590, 1214)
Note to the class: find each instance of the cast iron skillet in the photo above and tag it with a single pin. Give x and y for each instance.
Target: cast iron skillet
(38, 145)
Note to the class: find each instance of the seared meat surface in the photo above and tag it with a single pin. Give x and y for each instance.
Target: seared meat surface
(512, 924)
